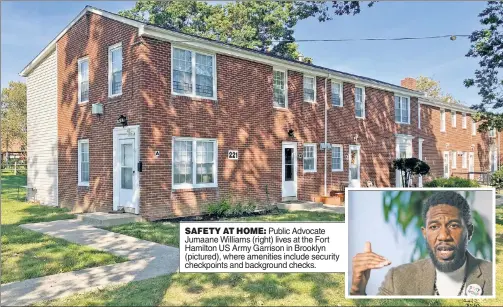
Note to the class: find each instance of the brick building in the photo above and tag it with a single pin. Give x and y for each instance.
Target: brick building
(201, 120)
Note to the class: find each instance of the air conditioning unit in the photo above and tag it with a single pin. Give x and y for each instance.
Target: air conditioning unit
(97, 108)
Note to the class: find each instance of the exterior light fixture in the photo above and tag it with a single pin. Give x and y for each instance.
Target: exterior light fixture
(122, 120)
(290, 133)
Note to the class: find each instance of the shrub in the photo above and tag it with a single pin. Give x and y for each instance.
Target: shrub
(497, 179)
(225, 208)
(410, 167)
(219, 208)
(453, 182)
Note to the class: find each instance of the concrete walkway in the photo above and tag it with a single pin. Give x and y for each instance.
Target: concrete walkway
(147, 260)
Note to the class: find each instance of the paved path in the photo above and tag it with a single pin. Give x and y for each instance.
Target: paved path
(147, 260)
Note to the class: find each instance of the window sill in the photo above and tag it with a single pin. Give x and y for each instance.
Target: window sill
(83, 103)
(194, 97)
(309, 172)
(337, 106)
(402, 123)
(83, 184)
(312, 102)
(193, 187)
(357, 117)
(281, 108)
(337, 170)
(114, 96)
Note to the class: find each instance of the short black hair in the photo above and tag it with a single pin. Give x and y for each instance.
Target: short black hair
(450, 198)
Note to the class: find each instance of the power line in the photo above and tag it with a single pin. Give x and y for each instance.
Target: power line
(452, 37)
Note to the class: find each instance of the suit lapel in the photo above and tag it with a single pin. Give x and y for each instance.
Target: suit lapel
(424, 282)
(474, 274)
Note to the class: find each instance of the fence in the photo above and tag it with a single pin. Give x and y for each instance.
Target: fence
(14, 167)
(483, 178)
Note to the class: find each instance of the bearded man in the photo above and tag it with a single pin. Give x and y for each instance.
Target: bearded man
(449, 271)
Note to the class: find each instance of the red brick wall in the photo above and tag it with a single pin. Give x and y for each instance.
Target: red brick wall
(242, 118)
(91, 36)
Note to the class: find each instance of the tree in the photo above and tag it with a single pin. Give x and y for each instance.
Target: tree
(432, 89)
(410, 167)
(261, 25)
(13, 114)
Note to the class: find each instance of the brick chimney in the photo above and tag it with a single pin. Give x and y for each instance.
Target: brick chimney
(409, 83)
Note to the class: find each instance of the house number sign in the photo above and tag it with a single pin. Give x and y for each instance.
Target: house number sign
(232, 155)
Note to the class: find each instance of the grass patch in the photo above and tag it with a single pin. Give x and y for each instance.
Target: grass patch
(29, 254)
(167, 233)
(236, 289)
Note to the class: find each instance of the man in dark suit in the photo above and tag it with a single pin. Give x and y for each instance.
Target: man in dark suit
(450, 271)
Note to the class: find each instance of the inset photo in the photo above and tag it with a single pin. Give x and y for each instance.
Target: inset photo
(410, 243)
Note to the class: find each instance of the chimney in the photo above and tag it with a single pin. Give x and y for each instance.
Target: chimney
(409, 83)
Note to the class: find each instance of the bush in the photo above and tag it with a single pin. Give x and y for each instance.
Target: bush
(453, 182)
(497, 179)
(225, 208)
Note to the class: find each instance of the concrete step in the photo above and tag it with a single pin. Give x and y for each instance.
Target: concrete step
(103, 219)
(299, 205)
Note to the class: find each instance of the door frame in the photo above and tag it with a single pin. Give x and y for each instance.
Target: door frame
(295, 167)
(402, 139)
(358, 148)
(471, 157)
(119, 133)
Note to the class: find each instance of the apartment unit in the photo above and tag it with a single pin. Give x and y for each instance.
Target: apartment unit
(123, 114)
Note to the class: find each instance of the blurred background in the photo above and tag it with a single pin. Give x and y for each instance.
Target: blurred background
(391, 221)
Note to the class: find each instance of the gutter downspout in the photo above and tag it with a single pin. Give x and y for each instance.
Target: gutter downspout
(325, 164)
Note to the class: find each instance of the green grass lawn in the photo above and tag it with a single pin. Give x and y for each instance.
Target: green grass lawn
(28, 254)
(233, 289)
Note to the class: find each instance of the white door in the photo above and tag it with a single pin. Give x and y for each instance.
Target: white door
(126, 177)
(354, 166)
(471, 165)
(403, 150)
(493, 160)
(446, 165)
(289, 169)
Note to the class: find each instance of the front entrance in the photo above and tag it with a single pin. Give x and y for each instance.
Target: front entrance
(403, 149)
(289, 169)
(354, 166)
(126, 178)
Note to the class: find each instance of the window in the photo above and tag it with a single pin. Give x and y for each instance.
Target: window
(194, 163)
(464, 121)
(193, 74)
(83, 67)
(360, 102)
(492, 133)
(464, 160)
(337, 94)
(402, 110)
(454, 160)
(453, 118)
(279, 95)
(83, 160)
(309, 158)
(309, 89)
(442, 120)
(337, 158)
(115, 70)
(474, 127)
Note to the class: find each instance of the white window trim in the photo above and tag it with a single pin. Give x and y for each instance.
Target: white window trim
(491, 131)
(419, 116)
(342, 158)
(454, 159)
(314, 88)
(79, 78)
(79, 161)
(285, 71)
(463, 124)
(315, 156)
(408, 110)
(474, 127)
(194, 185)
(363, 101)
(453, 119)
(341, 93)
(193, 59)
(464, 160)
(110, 48)
(442, 120)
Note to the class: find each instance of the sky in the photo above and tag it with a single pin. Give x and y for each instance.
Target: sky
(27, 27)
